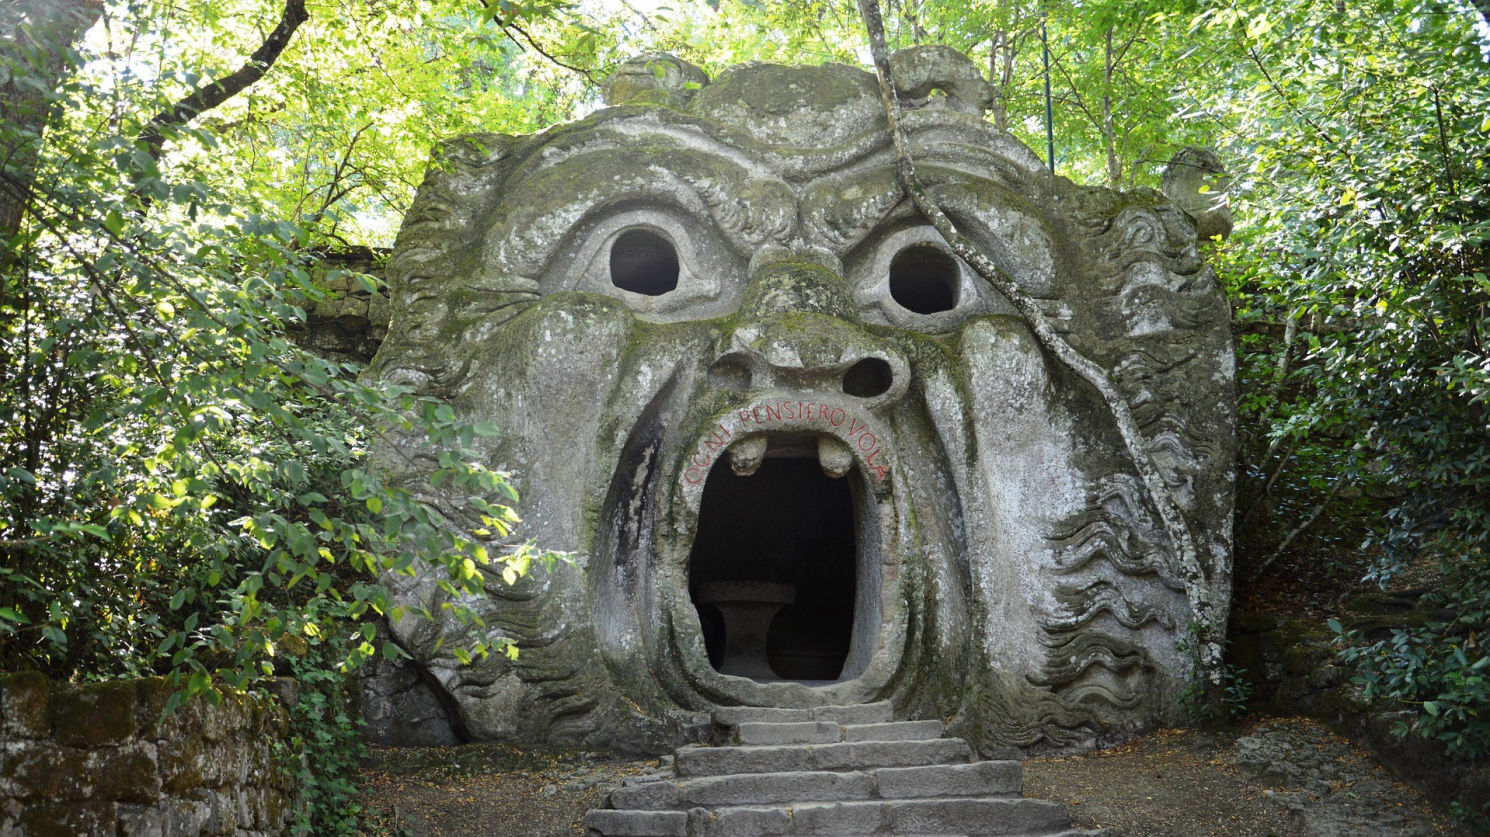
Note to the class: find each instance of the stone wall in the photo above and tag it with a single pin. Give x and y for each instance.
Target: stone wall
(1293, 670)
(98, 759)
(349, 324)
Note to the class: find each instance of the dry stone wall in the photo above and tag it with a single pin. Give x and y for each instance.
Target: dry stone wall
(98, 759)
(349, 324)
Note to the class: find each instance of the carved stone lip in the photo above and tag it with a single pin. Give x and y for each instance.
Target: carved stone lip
(868, 440)
(859, 445)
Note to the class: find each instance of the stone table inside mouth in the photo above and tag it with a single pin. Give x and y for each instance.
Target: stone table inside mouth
(748, 608)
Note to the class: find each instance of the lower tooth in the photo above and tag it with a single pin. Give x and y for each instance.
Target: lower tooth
(745, 455)
(834, 456)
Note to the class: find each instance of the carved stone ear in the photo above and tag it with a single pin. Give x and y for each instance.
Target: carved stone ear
(922, 71)
(656, 78)
(1197, 182)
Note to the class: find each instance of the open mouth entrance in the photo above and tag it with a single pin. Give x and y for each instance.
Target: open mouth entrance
(773, 570)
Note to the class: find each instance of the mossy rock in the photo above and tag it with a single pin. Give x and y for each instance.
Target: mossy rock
(24, 703)
(68, 819)
(96, 714)
(129, 774)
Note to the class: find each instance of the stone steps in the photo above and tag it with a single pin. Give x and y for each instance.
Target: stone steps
(830, 732)
(832, 770)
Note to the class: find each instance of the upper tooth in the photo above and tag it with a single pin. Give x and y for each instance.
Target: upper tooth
(834, 456)
(745, 455)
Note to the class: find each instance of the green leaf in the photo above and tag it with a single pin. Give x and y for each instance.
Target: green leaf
(13, 615)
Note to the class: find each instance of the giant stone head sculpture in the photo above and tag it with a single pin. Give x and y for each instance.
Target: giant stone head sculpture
(803, 454)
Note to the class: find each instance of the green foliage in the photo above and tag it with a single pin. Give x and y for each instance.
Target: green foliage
(327, 732)
(1359, 280)
(1230, 684)
(183, 489)
(1440, 668)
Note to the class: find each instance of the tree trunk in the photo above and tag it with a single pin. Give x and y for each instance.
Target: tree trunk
(1109, 134)
(33, 57)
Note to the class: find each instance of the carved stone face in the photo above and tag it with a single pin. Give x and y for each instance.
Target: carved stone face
(804, 455)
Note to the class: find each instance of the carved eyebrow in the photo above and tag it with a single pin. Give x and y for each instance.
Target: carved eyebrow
(748, 207)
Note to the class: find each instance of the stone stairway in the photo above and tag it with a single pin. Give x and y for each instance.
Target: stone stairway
(831, 770)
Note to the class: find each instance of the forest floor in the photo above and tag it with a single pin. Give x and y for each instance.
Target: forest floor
(1269, 776)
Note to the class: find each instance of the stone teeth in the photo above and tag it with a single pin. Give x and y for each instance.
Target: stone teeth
(834, 456)
(745, 455)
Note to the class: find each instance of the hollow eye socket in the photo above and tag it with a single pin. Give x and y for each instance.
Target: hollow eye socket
(924, 279)
(643, 262)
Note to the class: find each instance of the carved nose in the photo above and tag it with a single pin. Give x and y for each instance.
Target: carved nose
(799, 330)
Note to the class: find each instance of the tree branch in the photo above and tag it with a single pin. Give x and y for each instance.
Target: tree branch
(203, 99)
(1200, 587)
(1340, 483)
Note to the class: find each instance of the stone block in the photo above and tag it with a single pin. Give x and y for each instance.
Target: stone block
(24, 703)
(841, 818)
(638, 823)
(858, 755)
(128, 774)
(894, 731)
(96, 714)
(729, 716)
(748, 822)
(140, 820)
(651, 796)
(183, 761)
(977, 779)
(68, 819)
(151, 695)
(863, 713)
(43, 770)
(186, 816)
(977, 816)
(801, 732)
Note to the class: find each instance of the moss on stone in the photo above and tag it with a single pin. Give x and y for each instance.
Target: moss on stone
(96, 714)
(129, 774)
(24, 704)
(69, 819)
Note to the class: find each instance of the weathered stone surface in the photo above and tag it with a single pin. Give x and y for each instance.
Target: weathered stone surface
(106, 763)
(1332, 789)
(847, 792)
(401, 708)
(95, 714)
(128, 773)
(638, 823)
(25, 704)
(984, 778)
(706, 761)
(46, 771)
(896, 731)
(725, 353)
(1196, 180)
(1293, 670)
(68, 819)
(805, 732)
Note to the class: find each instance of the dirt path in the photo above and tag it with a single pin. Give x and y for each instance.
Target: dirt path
(1282, 777)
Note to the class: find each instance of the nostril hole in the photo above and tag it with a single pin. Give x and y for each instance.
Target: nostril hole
(731, 373)
(868, 378)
